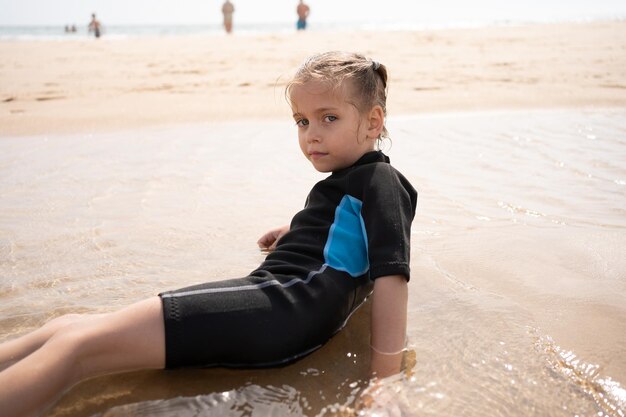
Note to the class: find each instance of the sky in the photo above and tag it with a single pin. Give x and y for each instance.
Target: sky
(123, 12)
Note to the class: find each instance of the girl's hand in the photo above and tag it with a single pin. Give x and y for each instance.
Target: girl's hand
(268, 240)
(379, 399)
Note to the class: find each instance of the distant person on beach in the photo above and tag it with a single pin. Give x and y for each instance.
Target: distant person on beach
(349, 242)
(303, 11)
(228, 9)
(95, 26)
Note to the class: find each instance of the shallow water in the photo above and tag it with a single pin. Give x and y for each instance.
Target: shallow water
(517, 303)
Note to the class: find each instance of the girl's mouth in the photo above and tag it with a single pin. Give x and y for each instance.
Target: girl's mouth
(317, 155)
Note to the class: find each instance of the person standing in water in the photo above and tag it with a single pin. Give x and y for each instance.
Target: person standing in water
(227, 10)
(349, 242)
(95, 26)
(303, 11)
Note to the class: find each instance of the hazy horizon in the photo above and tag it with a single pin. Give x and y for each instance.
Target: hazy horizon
(192, 12)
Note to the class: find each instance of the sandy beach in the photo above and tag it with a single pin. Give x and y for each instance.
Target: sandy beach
(91, 86)
(133, 166)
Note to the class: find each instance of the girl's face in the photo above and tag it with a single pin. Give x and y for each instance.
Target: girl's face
(332, 133)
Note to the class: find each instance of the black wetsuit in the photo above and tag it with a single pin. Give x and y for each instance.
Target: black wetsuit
(354, 228)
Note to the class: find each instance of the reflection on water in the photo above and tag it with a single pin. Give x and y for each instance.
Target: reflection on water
(518, 275)
(247, 400)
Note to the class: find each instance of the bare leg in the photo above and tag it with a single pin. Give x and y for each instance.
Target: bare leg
(16, 349)
(130, 339)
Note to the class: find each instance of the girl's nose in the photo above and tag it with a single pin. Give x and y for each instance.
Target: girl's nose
(312, 134)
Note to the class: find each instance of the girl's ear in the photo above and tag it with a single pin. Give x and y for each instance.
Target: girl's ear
(375, 122)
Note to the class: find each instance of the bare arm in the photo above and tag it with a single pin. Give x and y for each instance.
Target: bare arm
(268, 240)
(389, 311)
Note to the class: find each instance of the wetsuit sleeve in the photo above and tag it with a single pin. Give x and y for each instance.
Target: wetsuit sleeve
(388, 209)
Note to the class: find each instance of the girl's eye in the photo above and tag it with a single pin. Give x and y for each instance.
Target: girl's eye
(302, 122)
(330, 118)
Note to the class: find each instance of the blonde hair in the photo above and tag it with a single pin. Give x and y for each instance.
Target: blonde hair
(367, 79)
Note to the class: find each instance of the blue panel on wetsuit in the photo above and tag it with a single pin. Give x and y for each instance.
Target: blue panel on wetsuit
(346, 248)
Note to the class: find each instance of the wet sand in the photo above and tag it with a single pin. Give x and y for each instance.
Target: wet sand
(517, 291)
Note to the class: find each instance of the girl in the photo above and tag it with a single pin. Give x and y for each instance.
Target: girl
(351, 239)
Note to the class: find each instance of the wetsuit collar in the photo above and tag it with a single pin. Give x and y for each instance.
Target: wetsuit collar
(368, 158)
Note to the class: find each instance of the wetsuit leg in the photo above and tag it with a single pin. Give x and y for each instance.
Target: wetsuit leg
(256, 321)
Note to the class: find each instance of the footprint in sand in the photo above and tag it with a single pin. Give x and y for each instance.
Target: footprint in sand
(47, 98)
(429, 88)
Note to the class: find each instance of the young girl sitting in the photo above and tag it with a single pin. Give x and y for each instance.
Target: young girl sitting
(351, 239)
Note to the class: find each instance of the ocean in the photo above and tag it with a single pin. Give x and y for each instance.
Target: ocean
(518, 291)
(120, 32)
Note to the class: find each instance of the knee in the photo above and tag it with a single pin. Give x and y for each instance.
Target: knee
(59, 323)
(70, 343)
(66, 332)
